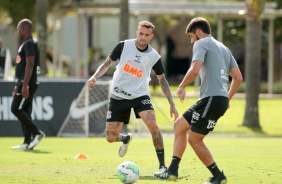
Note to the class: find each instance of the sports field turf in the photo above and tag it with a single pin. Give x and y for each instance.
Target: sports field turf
(247, 156)
(244, 161)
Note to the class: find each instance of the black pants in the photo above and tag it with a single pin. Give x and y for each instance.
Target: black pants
(22, 109)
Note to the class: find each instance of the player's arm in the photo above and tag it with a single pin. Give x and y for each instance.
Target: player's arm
(27, 75)
(237, 79)
(190, 76)
(103, 68)
(165, 88)
(115, 54)
(100, 72)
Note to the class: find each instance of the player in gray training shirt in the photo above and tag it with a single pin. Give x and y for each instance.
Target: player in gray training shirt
(214, 62)
(217, 62)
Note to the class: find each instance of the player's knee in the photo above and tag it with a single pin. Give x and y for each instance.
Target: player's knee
(153, 127)
(180, 127)
(110, 139)
(191, 140)
(176, 125)
(15, 111)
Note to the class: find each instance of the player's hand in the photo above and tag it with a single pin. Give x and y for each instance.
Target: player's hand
(91, 82)
(181, 93)
(173, 112)
(25, 92)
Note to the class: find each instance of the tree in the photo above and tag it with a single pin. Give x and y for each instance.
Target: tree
(253, 53)
(124, 20)
(123, 30)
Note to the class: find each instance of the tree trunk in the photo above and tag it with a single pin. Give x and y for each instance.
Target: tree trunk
(124, 20)
(123, 32)
(252, 75)
(41, 30)
(253, 57)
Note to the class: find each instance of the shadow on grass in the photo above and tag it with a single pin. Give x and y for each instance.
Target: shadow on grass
(38, 151)
(256, 130)
(153, 178)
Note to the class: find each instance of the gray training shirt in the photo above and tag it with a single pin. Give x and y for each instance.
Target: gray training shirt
(217, 62)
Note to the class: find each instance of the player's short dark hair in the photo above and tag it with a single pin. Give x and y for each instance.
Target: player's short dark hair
(198, 23)
(27, 23)
(147, 24)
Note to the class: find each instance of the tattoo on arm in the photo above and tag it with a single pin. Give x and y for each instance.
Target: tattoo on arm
(103, 68)
(166, 90)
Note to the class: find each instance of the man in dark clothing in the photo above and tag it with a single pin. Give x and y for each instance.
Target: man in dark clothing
(27, 72)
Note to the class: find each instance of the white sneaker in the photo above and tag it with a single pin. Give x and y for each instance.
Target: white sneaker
(162, 169)
(36, 140)
(20, 147)
(123, 147)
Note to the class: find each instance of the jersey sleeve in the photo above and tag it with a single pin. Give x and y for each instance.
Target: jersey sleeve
(233, 62)
(29, 49)
(158, 67)
(116, 52)
(199, 51)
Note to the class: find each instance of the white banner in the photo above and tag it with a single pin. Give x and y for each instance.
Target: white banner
(8, 73)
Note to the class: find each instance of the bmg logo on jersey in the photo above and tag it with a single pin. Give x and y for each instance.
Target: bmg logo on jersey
(132, 70)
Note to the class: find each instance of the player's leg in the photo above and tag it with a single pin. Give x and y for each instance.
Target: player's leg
(37, 134)
(181, 126)
(205, 119)
(27, 132)
(149, 118)
(199, 147)
(113, 131)
(118, 115)
(18, 109)
(203, 153)
(144, 109)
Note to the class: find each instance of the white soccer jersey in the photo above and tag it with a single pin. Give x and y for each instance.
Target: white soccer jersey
(132, 76)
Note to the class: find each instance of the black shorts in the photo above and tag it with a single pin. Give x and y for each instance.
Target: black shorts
(119, 110)
(203, 115)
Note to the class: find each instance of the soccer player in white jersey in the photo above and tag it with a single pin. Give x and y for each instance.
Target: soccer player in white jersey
(214, 63)
(130, 89)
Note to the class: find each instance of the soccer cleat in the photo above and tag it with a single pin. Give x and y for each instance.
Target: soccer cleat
(221, 179)
(20, 147)
(36, 140)
(123, 147)
(165, 175)
(163, 168)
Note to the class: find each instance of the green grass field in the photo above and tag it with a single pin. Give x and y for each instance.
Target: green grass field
(269, 116)
(247, 156)
(244, 160)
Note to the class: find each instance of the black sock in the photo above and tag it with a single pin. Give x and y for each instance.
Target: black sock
(160, 154)
(125, 138)
(173, 168)
(214, 169)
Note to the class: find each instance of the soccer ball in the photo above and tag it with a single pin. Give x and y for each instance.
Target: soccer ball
(128, 172)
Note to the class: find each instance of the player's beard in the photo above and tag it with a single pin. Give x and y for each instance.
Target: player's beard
(140, 44)
(20, 38)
